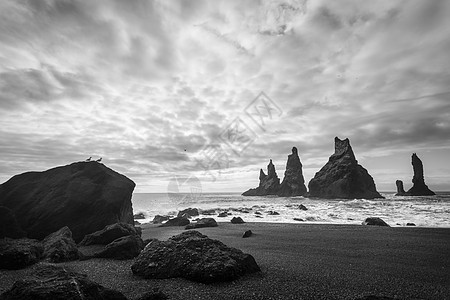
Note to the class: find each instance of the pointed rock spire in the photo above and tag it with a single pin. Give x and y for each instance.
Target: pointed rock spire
(268, 184)
(293, 183)
(400, 190)
(419, 187)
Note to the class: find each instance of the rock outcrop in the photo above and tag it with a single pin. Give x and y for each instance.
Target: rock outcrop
(85, 196)
(293, 183)
(400, 189)
(60, 246)
(56, 283)
(268, 184)
(193, 256)
(343, 177)
(419, 187)
(19, 253)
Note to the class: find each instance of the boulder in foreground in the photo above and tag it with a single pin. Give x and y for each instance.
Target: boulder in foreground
(342, 176)
(20, 253)
(60, 246)
(375, 221)
(193, 256)
(84, 196)
(56, 283)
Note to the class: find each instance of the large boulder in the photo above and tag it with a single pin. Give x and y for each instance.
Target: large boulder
(177, 221)
(400, 189)
(9, 227)
(109, 234)
(193, 256)
(19, 253)
(419, 187)
(56, 283)
(343, 177)
(85, 196)
(60, 246)
(293, 183)
(203, 222)
(268, 184)
(126, 247)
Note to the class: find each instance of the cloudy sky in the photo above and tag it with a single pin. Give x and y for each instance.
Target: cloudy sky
(170, 88)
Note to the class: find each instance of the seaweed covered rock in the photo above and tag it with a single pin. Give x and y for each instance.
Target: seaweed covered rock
(343, 177)
(19, 253)
(60, 246)
(293, 182)
(268, 184)
(84, 196)
(193, 256)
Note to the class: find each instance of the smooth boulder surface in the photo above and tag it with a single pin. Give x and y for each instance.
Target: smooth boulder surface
(193, 256)
(204, 222)
(19, 253)
(126, 247)
(419, 187)
(268, 184)
(375, 221)
(9, 227)
(56, 283)
(85, 196)
(109, 234)
(342, 176)
(60, 246)
(293, 182)
(177, 221)
(237, 220)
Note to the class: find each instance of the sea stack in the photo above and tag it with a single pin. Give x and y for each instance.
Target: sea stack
(293, 183)
(419, 187)
(84, 196)
(343, 177)
(268, 184)
(400, 190)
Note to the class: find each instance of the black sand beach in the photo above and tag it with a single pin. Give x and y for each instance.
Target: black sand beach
(300, 262)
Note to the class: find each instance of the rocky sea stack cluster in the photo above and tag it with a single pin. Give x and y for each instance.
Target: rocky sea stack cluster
(341, 177)
(419, 187)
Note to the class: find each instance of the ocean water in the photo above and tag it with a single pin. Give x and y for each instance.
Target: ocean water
(427, 211)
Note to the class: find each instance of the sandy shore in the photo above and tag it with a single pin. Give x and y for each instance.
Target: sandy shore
(301, 262)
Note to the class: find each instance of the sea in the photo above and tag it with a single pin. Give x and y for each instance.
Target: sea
(426, 211)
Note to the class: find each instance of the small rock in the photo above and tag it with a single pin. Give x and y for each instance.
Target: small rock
(204, 222)
(20, 253)
(259, 217)
(158, 219)
(188, 213)
(302, 207)
(375, 221)
(208, 212)
(237, 220)
(410, 224)
(109, 234)
(247, 234)
(223, 214)
(139, 216)
(272, 213)
(299, 219)
(60, 246)
(258, 213)
(126, 247)
(136, 223)
(177, 221)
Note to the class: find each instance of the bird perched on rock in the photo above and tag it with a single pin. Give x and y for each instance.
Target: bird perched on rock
(89, 159)
(99, 160)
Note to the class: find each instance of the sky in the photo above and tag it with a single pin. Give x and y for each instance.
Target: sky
(211, 90)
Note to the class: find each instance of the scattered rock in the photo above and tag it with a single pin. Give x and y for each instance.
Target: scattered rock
(126, 247)
(268, 184)
(419, 187)
(343, 177)
(258, 217)
(299, 219)
(109, 234)
(188, 213)
(9, 227)
(208, 212)
(84, 196)
(60, 246)
(223, 214)
(273, 213)
(247, 234)
(204, 222)
(400, 190)
(177, 221)
(158, 219)
(302, 207)
(258, 213)
(237, 220)
(375, 221)
(156, 294)
(19, 253)
(56, 283)
(410, 224)
(139, 216)
(193, 256)
(293, 183)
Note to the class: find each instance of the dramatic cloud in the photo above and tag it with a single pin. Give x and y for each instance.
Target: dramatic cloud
(158, 88)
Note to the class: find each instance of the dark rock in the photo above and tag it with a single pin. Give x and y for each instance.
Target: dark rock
(258, 217)
(9, 227)
(299, 219)
(156, 294)
(273, 213)
(109, 234)
(56, 283)
(188, 213)
(400, 190)
(223, 214)
(258, 213)
(126, 247)
(208, 212)
(410, 224)
(237, 220)
(268, 184)
(139, 216)
(84, 196)
(375, 221)
(136, 223)
(204, 222)
(158, 219)
(60, 246)
(247, 234)
(293, 183)
(19, 253)
(177, 221)
(193, 256)
(419, 187)
(343, 177)
(302, 207)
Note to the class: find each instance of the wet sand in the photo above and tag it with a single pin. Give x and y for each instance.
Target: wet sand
(301, 261)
